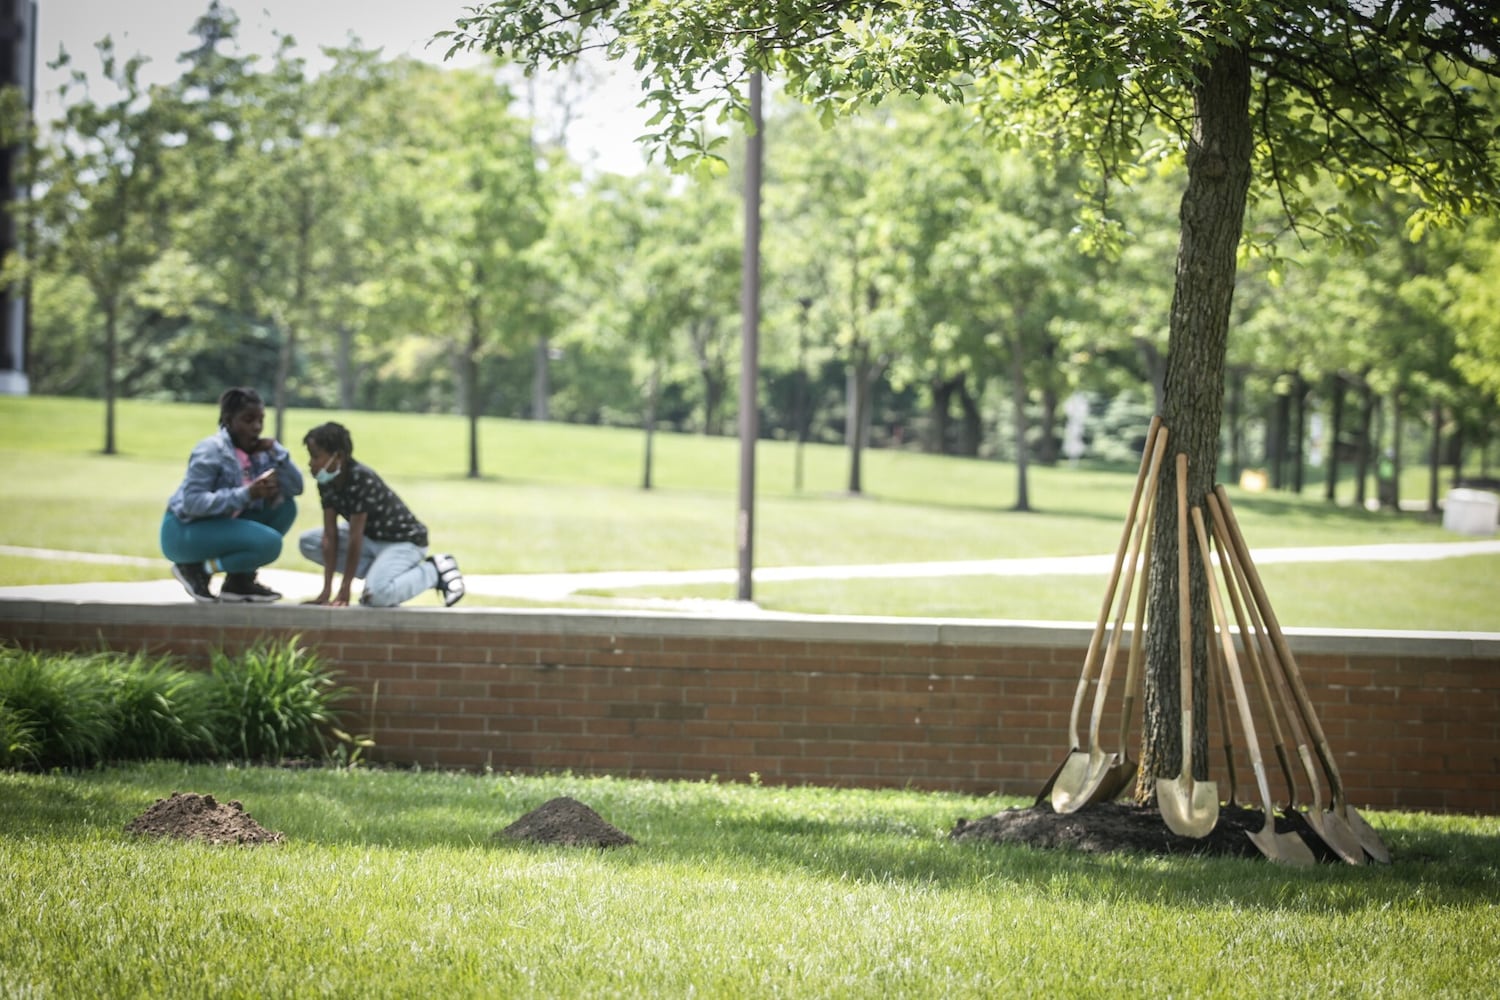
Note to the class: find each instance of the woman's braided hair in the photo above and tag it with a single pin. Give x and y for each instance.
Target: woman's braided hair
(234, 400)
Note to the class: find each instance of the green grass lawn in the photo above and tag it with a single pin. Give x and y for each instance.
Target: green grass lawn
(562, 498)
(391, 884)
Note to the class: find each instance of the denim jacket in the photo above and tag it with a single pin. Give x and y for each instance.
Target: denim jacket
(214, 485)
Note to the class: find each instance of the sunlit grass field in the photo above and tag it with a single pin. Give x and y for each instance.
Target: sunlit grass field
(567, 498)
(394, 885)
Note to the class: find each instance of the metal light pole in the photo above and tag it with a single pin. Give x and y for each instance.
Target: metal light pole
(749, 343)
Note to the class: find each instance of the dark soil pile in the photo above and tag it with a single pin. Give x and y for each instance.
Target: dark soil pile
(1105, 827)
(568, 822)
(192, 816)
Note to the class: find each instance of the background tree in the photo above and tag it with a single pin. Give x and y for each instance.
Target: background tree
(103, 209)
(1253, 93)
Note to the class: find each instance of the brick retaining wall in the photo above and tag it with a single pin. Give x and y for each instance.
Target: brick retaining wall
(1413, 719)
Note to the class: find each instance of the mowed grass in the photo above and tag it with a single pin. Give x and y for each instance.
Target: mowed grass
(392, 884)
(567, 498)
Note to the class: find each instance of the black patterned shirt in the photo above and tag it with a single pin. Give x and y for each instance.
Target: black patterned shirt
(362, 491)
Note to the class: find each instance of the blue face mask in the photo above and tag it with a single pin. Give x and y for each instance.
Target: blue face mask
(324, 476)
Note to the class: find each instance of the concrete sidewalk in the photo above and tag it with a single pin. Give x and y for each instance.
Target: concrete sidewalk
(300, 586)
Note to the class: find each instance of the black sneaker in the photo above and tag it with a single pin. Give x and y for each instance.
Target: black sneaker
(195, 580)
(244, 588)
(450, 581)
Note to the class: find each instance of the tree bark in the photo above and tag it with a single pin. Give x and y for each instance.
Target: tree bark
(1212, 217)
(971, 427)
(1335, 433)
(1018, 405)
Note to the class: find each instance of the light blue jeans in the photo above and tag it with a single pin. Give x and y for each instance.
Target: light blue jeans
(394, 572)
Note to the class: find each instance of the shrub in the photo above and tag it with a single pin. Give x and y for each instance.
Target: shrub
(18, 742)
(161, 710)
(274, 701)
(60, 700)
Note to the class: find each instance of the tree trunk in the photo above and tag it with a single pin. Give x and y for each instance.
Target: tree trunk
(859, 402)
(1276, 440)
(1018, 406)
(942, 399)
(1212, 217)
(471, 387)
(1299, 431)
(1236, 423)
(344, 364)
(541, 380)
(1047, 447)
(1434, 458)
(1335, 433)
(1362, 457)
(111, 350)
(1396, 449)
(653, 394)
(970, 429)
(1156, 371)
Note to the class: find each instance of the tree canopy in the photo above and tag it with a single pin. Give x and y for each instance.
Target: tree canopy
(1264, 100)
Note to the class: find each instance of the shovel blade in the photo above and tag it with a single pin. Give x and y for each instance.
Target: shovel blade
(1190, 808)
(1070, 780)
(1367, 837)
(1337, 835)
(1286, 848)
(1077, 787)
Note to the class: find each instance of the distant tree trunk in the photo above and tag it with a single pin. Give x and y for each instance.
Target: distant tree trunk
(653, 396)
(1434, 457)
(942, 390)
(1396, 448)
(1276, 440)
(1212, 215)
(284, 375)
(1018, 407)
(1236, 423)
(541, 380)
(1362, 456)
(344, 365)
(1156, 371)
(471, 384)
(1047, 447)
(111, 361)
(971, 431)
(863, 373)
(1299, 430)
(1335, 435)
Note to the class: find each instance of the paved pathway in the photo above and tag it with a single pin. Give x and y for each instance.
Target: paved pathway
(556, 586)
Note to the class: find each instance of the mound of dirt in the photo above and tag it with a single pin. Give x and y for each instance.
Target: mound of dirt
(568, 822)
(1105, 827)
(192, 816)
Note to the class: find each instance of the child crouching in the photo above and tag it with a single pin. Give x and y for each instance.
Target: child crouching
(382, 542)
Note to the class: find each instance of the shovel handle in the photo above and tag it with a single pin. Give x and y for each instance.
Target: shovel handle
(1242, 700)
(1091, 658)
(1127, 586)
(1284, 652)
(1184, 619)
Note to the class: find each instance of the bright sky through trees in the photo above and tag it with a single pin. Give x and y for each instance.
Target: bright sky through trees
(603, 132)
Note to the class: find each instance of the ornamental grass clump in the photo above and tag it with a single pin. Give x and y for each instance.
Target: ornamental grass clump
(55, 705)
(274, 702)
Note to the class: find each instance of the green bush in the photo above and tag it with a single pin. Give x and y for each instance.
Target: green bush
(18, 744)
(274, 702)
(270, 703)
(161, 710)
(62, 701)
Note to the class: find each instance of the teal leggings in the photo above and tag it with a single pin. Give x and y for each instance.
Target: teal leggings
(233, 544)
